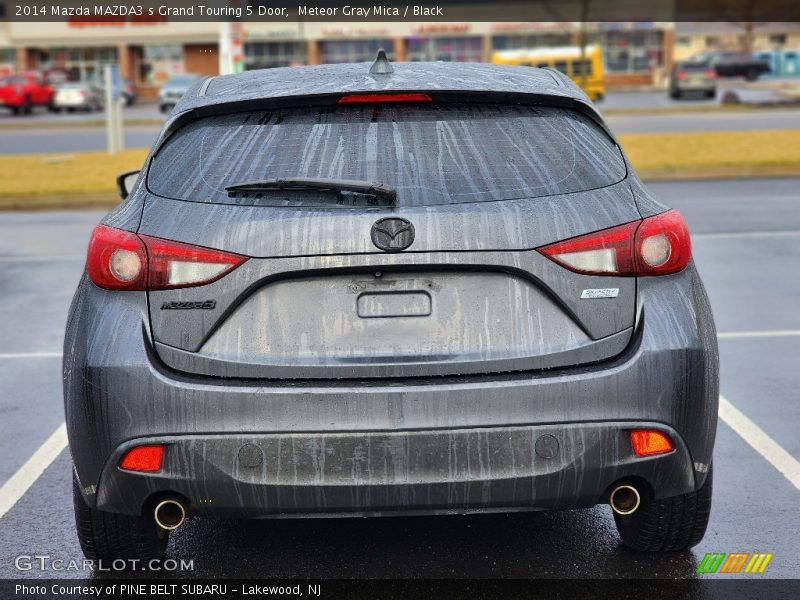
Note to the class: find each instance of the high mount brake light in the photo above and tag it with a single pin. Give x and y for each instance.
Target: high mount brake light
(657, 245)
(121, 260)
(383, 98)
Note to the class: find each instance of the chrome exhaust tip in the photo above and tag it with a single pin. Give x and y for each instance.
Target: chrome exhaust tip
(169, 514)
(624, 499)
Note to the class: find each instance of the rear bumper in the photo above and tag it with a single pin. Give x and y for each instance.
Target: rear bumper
(697, 88)
(517, 468)
(448, 443)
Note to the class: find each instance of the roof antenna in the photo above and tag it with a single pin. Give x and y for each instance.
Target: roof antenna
(381, 66)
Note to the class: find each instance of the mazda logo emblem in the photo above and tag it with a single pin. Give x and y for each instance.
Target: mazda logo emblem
(392, 234)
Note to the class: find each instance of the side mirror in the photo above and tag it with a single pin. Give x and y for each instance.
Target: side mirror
(125, 183)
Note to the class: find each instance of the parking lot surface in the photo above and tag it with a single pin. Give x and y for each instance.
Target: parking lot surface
(746, 242)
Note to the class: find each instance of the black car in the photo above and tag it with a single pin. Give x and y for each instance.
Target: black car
(734, 64)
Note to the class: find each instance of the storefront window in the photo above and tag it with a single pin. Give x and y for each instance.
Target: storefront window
(455, 49)
(268, 55)
(159, 63)
(8, 59)
(632, 51)
(531, 41)
(355, 50)
(81, 64)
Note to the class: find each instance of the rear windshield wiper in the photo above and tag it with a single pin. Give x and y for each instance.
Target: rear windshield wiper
(370, 188)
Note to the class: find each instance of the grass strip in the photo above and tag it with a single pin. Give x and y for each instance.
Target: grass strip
(88, 178)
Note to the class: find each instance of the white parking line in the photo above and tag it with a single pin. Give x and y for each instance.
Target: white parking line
(760, 441)
(42, 258)
(4, 355)
(26, 476)
(756, 334)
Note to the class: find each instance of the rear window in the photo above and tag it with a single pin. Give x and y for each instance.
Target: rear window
(693, 66)
(430, 154)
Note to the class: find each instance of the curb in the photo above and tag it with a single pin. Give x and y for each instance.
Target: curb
(60, 201)
(49, 124)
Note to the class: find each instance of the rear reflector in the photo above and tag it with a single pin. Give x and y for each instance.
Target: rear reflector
(145, 459)
(647, 442)
(121, 260)
(383, 98)
(658, 245)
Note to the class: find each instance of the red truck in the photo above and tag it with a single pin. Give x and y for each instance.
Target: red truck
(23, 91)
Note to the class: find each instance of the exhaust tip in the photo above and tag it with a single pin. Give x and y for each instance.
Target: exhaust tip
(624, 499)
(169, 514)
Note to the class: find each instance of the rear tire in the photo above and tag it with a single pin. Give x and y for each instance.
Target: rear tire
(669, 524)
(108, 536)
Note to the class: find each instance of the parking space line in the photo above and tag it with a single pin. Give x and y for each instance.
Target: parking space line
(42, 258)
(12, 355)
(26, 476)
(760, 441)
(756, 334)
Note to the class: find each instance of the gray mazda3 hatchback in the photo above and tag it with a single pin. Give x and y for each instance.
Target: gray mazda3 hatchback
(423, 288)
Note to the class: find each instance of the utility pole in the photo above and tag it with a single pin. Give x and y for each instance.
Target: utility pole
(231, 55)
(113, 105)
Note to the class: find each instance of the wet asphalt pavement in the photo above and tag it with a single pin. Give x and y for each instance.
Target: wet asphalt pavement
(746, 238)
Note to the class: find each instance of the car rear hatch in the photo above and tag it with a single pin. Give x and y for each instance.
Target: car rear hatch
(451, 284)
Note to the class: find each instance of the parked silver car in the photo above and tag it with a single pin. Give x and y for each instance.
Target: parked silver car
(689, 77)
(78, 96)
(174, 89)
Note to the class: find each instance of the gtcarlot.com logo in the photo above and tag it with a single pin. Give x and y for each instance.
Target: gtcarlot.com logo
(735, 562)
(44, 562)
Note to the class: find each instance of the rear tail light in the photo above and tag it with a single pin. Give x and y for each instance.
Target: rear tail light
(121, 260)
(383, 98)
(145, 459)
(710, 74)
(116, 260)
(647, 442)
(658, 245)
(682, 74)
(174, 265)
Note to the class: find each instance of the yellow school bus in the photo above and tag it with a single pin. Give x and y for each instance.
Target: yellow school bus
(587, 73)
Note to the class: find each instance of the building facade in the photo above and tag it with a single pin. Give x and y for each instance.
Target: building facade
(149, 53)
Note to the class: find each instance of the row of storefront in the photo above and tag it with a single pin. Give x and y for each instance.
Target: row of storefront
(148, 54)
